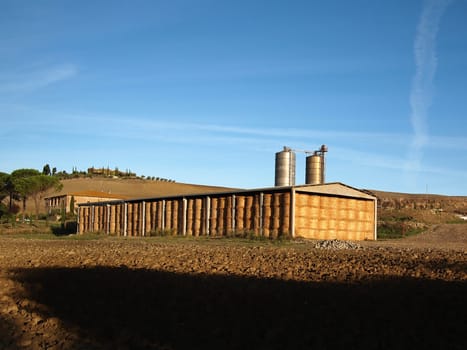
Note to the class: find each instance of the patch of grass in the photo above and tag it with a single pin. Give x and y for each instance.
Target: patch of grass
(51, 236)
(397, 229)
(162, 233)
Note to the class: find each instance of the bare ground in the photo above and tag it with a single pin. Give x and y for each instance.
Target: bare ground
(177, 293)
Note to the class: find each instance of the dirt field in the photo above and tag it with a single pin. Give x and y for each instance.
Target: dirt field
(176, 293)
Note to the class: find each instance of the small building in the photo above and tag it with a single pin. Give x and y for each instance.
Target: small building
(322, 211)
(63, 201)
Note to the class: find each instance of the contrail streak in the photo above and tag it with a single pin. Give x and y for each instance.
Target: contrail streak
(422, 84)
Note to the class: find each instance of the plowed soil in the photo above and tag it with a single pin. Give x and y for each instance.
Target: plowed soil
(161, 293)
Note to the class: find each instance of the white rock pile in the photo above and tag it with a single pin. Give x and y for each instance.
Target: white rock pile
(336, 244)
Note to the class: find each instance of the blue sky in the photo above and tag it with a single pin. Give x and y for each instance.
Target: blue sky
(206, 91)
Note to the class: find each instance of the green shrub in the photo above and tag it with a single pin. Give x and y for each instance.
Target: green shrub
(162, 233)
(397, 229)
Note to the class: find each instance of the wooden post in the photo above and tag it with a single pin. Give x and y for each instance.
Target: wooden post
(292, 212)
(285, 214)
(184, 215)
(207, 213)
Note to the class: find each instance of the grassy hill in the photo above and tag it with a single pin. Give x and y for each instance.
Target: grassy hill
(135, 188)
(129, 188)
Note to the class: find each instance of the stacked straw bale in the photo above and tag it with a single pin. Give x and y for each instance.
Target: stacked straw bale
(265, 213)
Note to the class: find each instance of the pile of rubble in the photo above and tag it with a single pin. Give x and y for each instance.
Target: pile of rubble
(336, 244)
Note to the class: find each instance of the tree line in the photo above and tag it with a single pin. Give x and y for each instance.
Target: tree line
(24, 184)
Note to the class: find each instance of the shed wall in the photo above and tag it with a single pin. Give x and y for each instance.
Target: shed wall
(330, 217)
(261, 213)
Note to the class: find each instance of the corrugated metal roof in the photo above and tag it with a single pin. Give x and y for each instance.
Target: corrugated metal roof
(332, 189)
(335, 188)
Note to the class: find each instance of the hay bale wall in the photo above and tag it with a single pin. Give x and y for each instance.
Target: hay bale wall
(328, 217)
(265, 213)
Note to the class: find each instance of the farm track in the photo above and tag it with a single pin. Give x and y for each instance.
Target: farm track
(164, 293)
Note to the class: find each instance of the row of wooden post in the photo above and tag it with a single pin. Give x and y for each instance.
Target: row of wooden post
(260, 213)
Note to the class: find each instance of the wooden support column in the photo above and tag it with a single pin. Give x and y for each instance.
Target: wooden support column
(292, 212)
(107, 208)
(207, 215)
(125, 219)
(184, 216)
(233, 211)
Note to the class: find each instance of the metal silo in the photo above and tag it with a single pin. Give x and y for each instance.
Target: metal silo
(314, 173)
(315, 167)
(285, 168)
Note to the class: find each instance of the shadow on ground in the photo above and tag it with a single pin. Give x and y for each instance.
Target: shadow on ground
(124, 308)
(63, 229)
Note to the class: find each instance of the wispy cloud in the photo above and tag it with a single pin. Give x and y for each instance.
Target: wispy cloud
(38, 78)
(422, 84)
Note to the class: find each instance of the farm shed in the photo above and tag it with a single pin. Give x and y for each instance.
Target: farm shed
(324, 211)
(62, 201)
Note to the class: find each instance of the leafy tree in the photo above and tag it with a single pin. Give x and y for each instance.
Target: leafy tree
(46, 170)
(4, 177)
(39, 185)
(54, 170)
(3, 209)
(20, 184)
(9, 188)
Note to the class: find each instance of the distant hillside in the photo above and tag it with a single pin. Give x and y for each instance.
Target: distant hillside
(135, 188)
(130, 188)
(394, 200)
(425, 208)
